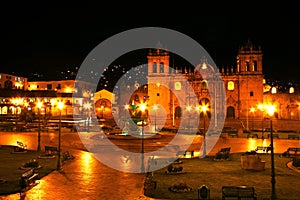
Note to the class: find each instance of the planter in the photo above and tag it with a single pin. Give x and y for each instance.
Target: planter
(252, 162)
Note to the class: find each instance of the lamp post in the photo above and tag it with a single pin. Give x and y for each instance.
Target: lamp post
(271, 110)
(39, 106)
(87, 106)
(155, 107)
(204, 109)
(142, 108)
(189, 108)
(261, 107)
(60, 106)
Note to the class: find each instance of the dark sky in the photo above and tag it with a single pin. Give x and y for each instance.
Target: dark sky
(49, 38)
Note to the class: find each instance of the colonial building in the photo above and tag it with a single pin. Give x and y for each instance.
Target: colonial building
(180, 90)
(10, 81)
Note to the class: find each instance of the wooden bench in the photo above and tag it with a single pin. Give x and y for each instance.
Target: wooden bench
(239, 192)
(185, 154)
(51, 150)
(232, 134)
(28, 177)
(290, 152)
(223, 153)
(292, 136)
(264, 149)
(274, 135)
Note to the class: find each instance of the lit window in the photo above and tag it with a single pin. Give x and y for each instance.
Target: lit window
(292, 90)
(230, 85)
(273, 90)
(247, 66)
(177, 86)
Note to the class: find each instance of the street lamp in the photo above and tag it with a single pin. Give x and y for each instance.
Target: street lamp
(252, 110)
(271, 110)
(87, 106)
(204, 109)
(60, 106)
(189, 108)
(261, 107)
(142, 108)
(155, 107)
(39, 106)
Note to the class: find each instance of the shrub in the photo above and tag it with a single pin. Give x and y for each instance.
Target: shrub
(296, 161)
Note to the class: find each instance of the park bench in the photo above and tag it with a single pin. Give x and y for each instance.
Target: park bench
(264, 149)
(291, 151)
(28, 177)
(252, 135)
(223, 153)
(51, 150)
(238, 192)
(292, 136)
(274, 136)
(185, 154)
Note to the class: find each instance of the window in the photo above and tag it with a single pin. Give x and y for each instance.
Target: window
(230, 85)
(251, 94)
(273, 90)
(154, 67)
(255, 65)
(58, 86)
(247, 66)
(291, 90)
(161, 67)
(49, 86)
(0, 76)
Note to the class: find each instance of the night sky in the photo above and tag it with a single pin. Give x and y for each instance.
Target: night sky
(56, 38)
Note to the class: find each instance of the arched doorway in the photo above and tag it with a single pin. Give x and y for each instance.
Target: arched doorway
(178, 112)
(103, 109)
(230, 112)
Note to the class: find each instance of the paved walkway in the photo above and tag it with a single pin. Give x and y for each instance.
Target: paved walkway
(87, 178)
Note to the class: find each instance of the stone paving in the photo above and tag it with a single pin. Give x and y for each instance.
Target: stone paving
(87, 178)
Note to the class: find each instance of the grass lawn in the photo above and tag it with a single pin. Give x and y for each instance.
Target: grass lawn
(215, 174)
(11, 162)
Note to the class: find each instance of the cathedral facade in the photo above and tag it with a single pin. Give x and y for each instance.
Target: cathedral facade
(180, 91)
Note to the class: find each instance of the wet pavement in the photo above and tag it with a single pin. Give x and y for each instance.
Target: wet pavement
(87, 178)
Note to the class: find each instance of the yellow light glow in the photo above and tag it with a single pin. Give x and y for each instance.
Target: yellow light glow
(143, 107)
(204, 108)
(260, 107)
(68, 90)
(189, 108)
(198, 108)
(252, 109)
(39, 104)
(53, 102)
(87, 105)
(271, 110)
(126, 106)
(60, 105)
(155, 107)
